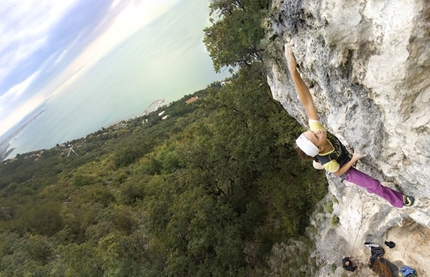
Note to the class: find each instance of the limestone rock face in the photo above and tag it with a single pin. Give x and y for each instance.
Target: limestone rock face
(367, 64)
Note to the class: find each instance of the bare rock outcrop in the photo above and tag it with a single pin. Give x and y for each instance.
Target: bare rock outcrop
(367, 64)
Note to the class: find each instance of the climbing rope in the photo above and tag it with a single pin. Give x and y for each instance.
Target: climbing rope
(360, 225)
(380, 265)
(355, 240)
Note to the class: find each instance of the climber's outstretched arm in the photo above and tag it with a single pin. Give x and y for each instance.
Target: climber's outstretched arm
(302, 90)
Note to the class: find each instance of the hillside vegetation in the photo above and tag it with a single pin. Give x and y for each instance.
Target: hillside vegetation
(205, 192)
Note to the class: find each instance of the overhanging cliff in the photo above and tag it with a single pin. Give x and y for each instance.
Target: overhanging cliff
(367, 64)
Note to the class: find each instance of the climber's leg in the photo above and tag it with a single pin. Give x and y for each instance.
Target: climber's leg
(372, 185)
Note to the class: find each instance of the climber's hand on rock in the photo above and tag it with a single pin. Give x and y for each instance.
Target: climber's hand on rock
(290, 56)
(356, 156)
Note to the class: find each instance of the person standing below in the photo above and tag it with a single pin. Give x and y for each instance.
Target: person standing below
(348, 265)
(326, 149)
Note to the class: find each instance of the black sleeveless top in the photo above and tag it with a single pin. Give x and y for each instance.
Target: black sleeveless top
(340, 153)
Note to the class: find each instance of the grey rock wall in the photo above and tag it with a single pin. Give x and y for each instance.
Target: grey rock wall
(367, 64)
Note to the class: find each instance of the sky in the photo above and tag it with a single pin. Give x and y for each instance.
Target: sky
(44, 43)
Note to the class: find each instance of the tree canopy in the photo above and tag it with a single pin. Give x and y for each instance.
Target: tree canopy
(234, 38)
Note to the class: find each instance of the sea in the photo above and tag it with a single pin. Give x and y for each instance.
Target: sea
(166, 59)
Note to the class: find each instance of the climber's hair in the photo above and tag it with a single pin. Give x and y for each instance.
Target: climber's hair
(302, 154)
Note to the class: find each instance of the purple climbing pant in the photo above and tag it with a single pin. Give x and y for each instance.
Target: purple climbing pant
(372, 185)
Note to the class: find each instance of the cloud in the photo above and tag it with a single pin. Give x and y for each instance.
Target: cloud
(15, 91)
(19, 112)
(78, 26)
(24, 29)
(12, 110)
(34, 40)
(42, 38)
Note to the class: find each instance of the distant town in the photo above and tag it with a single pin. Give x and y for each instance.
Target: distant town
(4, 145)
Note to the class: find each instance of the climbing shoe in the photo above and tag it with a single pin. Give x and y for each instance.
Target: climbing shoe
(370, 245)
(408, 200)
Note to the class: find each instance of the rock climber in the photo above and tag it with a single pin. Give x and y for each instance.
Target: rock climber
(327, 150)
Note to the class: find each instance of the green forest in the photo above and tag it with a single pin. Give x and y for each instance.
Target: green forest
(206, 191)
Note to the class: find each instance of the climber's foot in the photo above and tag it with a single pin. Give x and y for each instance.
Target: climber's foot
(408, 200)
